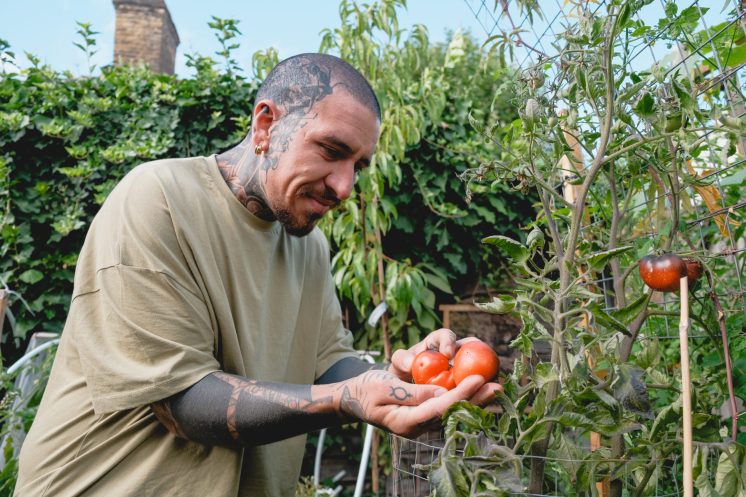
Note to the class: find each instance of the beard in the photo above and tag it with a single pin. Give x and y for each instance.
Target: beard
(297, 226)
(294, 226)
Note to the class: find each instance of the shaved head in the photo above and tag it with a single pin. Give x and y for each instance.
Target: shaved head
(299, 82)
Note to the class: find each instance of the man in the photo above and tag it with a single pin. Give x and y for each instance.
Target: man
(204, 333)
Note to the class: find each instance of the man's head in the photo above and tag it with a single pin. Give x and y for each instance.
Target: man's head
(316, 122)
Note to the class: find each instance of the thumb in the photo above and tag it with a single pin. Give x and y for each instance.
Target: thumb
(401, 361)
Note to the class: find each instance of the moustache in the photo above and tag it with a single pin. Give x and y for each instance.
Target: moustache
(327, 195)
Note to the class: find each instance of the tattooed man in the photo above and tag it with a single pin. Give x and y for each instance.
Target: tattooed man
(204, 337)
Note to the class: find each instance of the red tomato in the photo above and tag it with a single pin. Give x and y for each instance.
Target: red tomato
(443, 379)
(428, 365)
(662, 273)
(475, 358)
(694, 270)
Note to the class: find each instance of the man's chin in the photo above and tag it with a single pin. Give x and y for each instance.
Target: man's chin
(295, 228)
(299, 231)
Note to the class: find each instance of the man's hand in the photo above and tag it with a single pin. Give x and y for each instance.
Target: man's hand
(406, 409)
(445, 342)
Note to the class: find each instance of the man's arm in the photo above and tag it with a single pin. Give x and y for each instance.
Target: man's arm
(223, 409)
(229, 410)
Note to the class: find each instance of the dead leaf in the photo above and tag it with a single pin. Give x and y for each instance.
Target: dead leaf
(713, 200)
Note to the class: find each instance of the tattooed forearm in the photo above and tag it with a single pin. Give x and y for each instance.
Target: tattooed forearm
(223, 409)
(346, 368)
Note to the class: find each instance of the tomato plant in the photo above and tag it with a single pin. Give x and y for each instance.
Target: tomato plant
(643, 154)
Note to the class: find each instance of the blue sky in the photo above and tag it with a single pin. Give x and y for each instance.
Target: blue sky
(46, 28)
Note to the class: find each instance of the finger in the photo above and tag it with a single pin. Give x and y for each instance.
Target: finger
(401, 363)
(462, 341)
(409, 394)
(443, 340)
(436, 406)
(486, 394)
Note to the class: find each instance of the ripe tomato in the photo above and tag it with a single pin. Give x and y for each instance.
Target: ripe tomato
(694, 270)
(663, 272)
(475, 358)
(431, 368)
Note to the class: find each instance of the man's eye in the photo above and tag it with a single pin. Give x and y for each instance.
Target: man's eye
(331, 152)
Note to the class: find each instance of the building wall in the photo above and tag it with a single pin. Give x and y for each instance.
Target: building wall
(145, 34)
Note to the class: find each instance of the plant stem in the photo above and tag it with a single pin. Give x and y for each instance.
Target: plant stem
(616, 218)
(726, 352)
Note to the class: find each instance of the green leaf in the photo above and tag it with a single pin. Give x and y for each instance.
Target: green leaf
(501, 304)
(575, 420)
(31, 276)
(535, 239)
(726, 476)
(645, 106)
(448, 478)
(515, 250)
(668, 418)
(438, 282)
(606, 320)
(627, 314)
(599, 260)
(507, 405)
(545, 373)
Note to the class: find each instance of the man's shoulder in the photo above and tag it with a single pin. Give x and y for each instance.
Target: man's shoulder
(170, 168)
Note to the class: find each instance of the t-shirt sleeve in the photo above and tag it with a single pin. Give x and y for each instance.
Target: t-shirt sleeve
(141, 337)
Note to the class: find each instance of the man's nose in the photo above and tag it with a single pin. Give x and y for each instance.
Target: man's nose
(342, 180)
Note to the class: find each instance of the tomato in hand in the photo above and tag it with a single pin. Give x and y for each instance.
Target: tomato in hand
(431, 368)
(662, 273)
(475, 358)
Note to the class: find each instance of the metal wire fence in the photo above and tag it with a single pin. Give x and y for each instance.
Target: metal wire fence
(414, 458)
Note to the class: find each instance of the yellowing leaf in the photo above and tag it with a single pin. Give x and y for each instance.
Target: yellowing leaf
(713, 200)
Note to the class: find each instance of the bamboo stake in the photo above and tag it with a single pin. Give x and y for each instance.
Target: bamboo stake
(686, 413)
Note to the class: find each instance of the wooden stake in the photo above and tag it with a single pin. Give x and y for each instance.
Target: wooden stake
(686, 414)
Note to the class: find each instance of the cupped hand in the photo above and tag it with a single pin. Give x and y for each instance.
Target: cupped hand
(381, 399)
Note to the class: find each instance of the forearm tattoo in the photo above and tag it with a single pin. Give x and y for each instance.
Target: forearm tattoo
(228, 410)
(346, 368)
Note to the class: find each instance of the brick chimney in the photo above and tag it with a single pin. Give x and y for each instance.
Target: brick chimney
(146, 34)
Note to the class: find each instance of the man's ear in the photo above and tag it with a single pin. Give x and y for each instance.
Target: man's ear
(266, 114)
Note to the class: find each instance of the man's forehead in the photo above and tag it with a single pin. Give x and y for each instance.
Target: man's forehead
(341, 116)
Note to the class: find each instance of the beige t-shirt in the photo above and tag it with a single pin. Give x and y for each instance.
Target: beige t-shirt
(176, 279)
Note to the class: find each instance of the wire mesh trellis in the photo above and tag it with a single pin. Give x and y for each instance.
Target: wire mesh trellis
(414, 458)
(713, 203)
